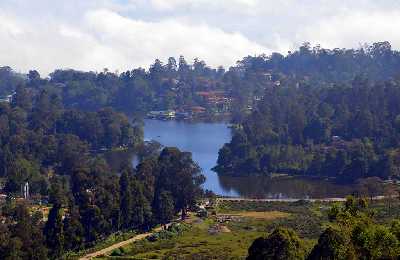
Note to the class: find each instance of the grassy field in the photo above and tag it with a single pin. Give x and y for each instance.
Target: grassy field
(213, 238)
(199, 242)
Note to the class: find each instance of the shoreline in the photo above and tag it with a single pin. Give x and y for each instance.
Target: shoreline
(239, 199)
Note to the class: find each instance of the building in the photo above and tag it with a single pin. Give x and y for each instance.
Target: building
(163, 114)
(197, 110)
(7, 98)
(217, 99)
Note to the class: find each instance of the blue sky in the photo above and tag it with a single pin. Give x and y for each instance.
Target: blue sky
(123, 34)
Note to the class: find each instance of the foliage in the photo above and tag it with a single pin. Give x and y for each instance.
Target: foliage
(351, 234)
(58, 152)
(280, 244)
(343, 131)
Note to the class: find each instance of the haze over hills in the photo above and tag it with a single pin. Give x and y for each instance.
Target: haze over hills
(288, 111)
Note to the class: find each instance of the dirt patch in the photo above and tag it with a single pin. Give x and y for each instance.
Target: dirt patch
(218, 228)
(225, 229)
(265, 215)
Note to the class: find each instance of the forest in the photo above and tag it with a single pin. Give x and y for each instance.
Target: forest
(316, 112)
(177, 84)
(347, 130)
(58, 151)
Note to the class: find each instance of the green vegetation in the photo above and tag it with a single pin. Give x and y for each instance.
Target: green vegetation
(345, 131)
(324, 112)
(299, 230)
(193, 243)
(58, 152)
(180, 85)
(351, 233)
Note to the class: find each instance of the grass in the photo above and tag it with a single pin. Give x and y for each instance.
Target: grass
(256, 219)
(232, 242)
(262, 215)
(199, 243)
(112, 239)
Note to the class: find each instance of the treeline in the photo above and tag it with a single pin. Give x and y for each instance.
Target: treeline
(352, 233)
(93, 202)
(345, 131)
(175, 83)
(317, 64)
(58, 151)
(39, 138)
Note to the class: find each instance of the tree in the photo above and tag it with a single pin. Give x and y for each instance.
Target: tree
(29, 233)
(54, 232)
(164, 207)
(22, 98)
(141, 217)
(375, 242)
(181, 176)
(126, 209)
(370, 187)
(332, 244)
(280, 244)
(73, 230)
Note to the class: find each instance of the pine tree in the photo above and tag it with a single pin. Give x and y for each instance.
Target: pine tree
(73, 230)
(126, 200)
(54, 232)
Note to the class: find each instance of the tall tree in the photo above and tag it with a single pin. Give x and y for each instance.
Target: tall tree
(280, 244)
(54, 232)
(126, 210)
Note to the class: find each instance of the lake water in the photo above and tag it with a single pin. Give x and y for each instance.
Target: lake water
(204, 140)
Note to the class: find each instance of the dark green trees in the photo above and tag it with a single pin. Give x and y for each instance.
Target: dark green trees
(23, 238)
(351, 234)
(125, 200)
(164, 207)
(178, 174)
(54, 232)
(332, 244)
(344, 131)
(280, 244)
(135, 210)
(73, 231)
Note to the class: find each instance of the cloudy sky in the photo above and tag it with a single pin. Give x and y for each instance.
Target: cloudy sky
(123, 34)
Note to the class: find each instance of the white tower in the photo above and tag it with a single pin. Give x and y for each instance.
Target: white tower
(26, 190)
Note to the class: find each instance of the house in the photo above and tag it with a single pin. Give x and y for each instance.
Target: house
(182, 115)
(216, 99)
(268, 76)
(197, 110)
(7, 98)
(164, 114)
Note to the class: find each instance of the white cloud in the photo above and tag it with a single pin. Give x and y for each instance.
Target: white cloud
(353, 29)
(168, 5)
(142, 42)
(123, 34)
(106, 39)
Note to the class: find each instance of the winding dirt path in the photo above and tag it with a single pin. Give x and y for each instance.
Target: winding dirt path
(109, 249)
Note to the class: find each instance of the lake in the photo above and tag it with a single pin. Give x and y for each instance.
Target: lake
(204, 140)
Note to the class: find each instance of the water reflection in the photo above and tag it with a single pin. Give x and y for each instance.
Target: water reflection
(204, 140)
(283, 187)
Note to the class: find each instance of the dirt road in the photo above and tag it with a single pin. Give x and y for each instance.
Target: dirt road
(109, 249)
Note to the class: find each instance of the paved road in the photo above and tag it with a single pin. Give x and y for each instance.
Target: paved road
(109, 249)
